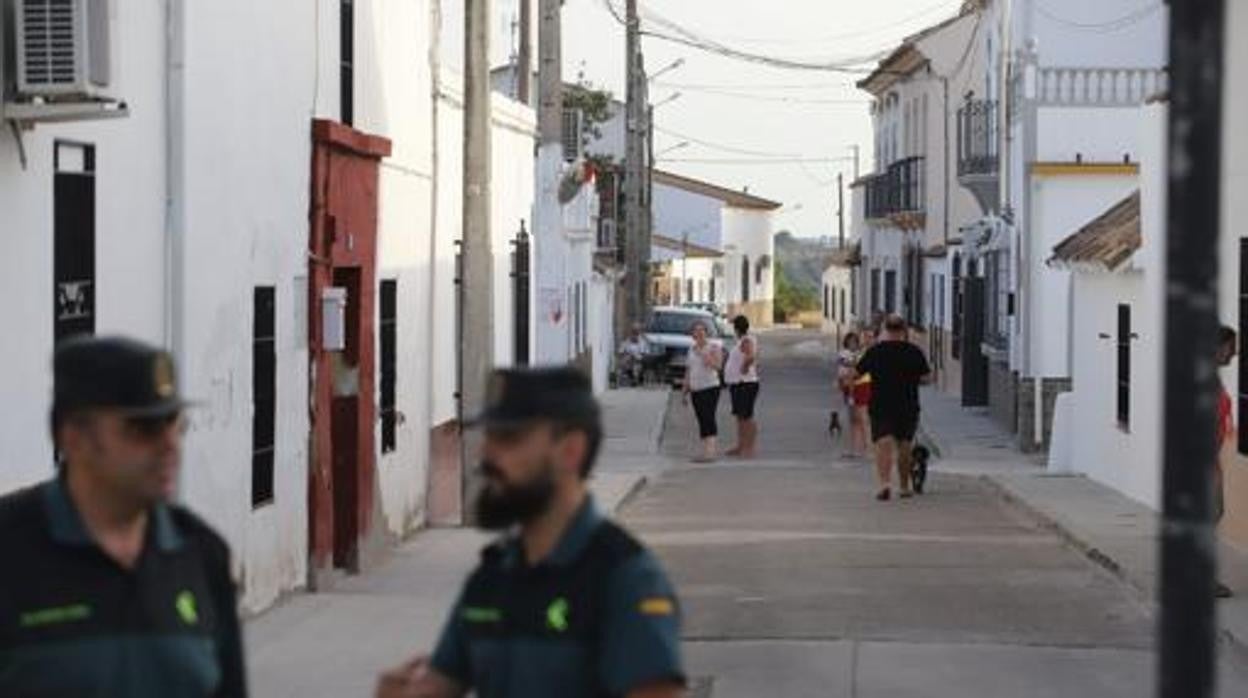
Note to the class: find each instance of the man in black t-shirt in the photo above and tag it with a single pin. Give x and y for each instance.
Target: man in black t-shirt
(897, 369)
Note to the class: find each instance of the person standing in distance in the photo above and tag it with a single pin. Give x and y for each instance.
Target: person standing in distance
(1228, 349)
(567, 603)
(741, 375)
(112, 590)
(897, 369)
(702, 387)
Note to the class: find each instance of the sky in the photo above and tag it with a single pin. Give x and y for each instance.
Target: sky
(813, 115)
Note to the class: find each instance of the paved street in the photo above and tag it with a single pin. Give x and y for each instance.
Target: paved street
(797, 583)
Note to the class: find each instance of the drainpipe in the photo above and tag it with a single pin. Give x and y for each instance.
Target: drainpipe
(435, 66)
(175, 180)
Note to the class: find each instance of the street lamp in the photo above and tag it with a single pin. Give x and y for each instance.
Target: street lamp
(670, 67)
(678, 146)
(668, 100)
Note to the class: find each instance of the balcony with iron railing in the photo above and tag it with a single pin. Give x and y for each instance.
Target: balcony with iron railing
(898, 191)
(978, 161)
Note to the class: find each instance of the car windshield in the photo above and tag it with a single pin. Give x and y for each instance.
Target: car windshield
(676, 323)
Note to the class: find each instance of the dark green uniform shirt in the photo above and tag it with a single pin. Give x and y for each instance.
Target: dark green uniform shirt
(598, 617)
(75, 623)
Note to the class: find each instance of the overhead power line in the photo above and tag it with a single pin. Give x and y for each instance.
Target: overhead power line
(725, 148)
(1106, 27)
(945, 5)
(679, 34)
(773, 98)
(757, 161)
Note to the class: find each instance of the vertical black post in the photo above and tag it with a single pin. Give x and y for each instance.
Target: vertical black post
(1188, 542)
(840, 210)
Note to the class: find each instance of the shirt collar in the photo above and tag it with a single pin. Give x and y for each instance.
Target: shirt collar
(67, 528)
(571, 544)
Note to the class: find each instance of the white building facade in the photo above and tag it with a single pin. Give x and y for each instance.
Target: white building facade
(186, 224)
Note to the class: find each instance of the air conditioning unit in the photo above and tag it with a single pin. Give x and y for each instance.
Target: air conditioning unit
(62, 49)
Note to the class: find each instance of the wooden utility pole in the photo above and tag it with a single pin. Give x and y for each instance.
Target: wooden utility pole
(524, 59)
(1188, 656)
(476, 355)
(549, 249)
(634, 255)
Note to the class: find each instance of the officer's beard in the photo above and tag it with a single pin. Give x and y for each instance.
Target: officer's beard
(504, 504)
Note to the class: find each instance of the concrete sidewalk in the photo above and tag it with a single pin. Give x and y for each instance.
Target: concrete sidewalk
(334, 643)
(1113, 530)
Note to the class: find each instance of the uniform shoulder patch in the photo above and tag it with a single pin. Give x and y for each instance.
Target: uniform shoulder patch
(656, 606)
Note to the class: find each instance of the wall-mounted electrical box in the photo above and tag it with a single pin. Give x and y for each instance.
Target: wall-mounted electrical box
(334, 319)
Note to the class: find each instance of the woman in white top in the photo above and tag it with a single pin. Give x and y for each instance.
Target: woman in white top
(702, 386)
(741, 375)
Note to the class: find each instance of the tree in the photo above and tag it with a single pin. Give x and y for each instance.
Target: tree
(791, 299)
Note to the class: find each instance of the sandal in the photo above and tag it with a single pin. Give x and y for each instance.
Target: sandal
(883, 495)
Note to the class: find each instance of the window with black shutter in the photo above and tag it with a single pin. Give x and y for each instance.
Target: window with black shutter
(827, 307)
(346, 75)
(263, 393)
(1243, 363)
(388, 328)
(875, 290)
(1124, 366)
(73, 239)
(890, 291)
(844, 317)
(955, 339)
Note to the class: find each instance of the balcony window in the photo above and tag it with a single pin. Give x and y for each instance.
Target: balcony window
(977, 138)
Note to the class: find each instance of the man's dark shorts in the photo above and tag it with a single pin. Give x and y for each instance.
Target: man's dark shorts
(743, 395)
(901, 426)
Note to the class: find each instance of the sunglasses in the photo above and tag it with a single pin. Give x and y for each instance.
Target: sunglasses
(149, 428)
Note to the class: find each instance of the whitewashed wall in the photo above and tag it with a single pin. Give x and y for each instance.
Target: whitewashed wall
(130, 188)
(1127, 460)
(394, 98)
(1061, 205)
(513, 130)
(244, 202)
(750, 232)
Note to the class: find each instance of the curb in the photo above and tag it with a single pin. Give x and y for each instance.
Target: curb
(1050, 523)
(1101, 559)
(632, 492)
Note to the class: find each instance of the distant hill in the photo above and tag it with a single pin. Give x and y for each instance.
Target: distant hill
(803, 260)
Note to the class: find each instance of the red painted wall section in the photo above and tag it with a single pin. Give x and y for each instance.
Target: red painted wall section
(343, 238)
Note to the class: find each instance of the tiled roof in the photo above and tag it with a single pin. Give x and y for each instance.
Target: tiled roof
(731, 197)
(1108, 241)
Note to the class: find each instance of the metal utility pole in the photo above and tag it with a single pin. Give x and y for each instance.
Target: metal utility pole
(1188, 537)
(524, 60)
(634, 255)
(476, 356)
(548, 247)
(840, 210)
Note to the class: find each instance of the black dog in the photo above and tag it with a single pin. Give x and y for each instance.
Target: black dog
(834, 425)
(918, 467)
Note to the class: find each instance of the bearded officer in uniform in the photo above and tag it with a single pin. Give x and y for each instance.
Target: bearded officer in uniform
(567, 603)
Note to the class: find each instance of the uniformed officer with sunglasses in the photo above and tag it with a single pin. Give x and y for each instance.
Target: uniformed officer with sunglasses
(111, 589)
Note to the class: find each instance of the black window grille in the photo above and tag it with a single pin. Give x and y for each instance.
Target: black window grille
(1124, 366)
(263, 394)
(73, 233)
(389, 354)
(745, 279)
(875, 291)
(520, 296)
(890, 291)
(844, 316)
(955, 338)
(1243, 363)
(346, 75)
